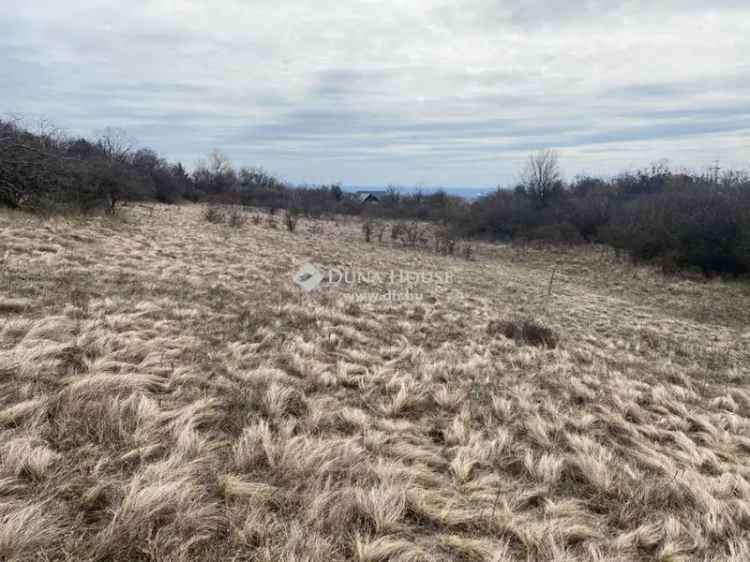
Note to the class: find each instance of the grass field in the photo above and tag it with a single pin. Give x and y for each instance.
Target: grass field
(168, 393)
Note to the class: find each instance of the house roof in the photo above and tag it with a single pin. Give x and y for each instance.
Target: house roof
(369, 195)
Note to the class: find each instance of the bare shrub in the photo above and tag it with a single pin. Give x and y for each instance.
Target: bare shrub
(236, 218)
(316, 229)
(445, 242)
(397, 230)
(379, 231)
(214, 215)
(367, 227)
(525, 331)
(291, 217)
(411, 234)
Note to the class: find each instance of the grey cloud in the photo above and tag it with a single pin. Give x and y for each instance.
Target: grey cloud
(529, 14)
(445, 92)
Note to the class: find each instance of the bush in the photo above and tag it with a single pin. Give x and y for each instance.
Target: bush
(397, 230)
(538, 335)
(236, 218)
(379, 231)
(701, 226)
(556, 233)
(367, 230)
(291, 217)
(445, 242)
(213, 215)
(502, 215)
(525, 331)
(48, 171)
(591, 209)
(411, 234)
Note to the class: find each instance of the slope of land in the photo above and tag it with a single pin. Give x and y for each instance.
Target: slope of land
(168, 393)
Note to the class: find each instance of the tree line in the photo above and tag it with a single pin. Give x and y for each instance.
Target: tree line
(677, 219)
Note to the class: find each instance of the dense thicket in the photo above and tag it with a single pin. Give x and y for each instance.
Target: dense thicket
(680, 220)
(49, 171)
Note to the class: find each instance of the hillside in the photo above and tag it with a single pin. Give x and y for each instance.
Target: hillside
(167, 393)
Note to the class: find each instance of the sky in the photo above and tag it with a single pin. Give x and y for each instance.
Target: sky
(411, 92)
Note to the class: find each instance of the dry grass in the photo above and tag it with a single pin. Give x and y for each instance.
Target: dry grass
(168, 394)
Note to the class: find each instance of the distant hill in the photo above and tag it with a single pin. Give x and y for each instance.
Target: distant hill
(465, 192)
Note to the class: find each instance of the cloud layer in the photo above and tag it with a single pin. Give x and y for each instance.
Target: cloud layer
(372, 92)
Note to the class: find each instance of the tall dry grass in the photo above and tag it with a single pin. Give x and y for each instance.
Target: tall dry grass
(168, 394)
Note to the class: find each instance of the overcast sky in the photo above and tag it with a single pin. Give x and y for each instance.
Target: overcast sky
(371, 92)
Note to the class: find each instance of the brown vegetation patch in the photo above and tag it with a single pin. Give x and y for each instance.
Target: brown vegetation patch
(526, 331)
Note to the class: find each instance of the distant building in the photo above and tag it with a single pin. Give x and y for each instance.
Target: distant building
(370, 196)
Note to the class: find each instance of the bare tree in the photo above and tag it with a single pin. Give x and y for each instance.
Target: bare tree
(218, 163)
(217, 176)
(115, 144)
(541, 176)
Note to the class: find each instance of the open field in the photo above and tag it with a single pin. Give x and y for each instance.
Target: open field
(167, 393)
